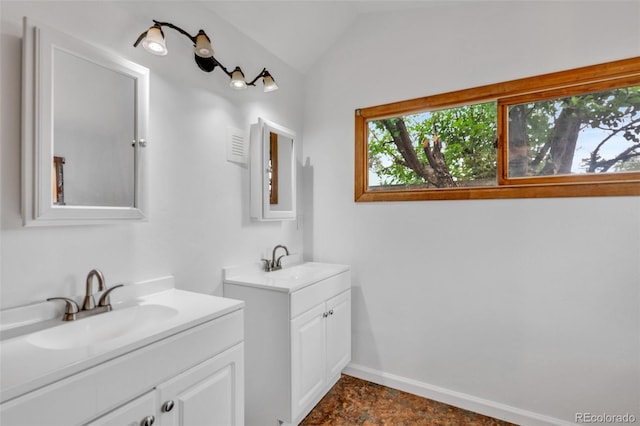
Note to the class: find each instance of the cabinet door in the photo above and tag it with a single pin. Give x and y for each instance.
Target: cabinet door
(308, 358)
(139, 412)
(338, 333)
(209, 394)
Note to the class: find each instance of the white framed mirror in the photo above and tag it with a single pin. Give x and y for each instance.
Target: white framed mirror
(273, 171)
(84, 128)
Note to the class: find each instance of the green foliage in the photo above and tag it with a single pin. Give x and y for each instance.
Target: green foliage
(547, 129)
(614, 115)
(468, 136)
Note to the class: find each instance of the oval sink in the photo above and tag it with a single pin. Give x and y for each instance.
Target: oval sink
(101, 327)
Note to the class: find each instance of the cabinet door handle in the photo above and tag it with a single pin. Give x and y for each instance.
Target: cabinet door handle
(167, 406)
(331, 312)
(148, 421)
(325, 314)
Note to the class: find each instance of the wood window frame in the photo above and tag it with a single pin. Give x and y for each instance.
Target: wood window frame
(600, 77)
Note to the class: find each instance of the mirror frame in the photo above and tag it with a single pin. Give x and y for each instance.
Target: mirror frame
(260, 151)
(37, 130)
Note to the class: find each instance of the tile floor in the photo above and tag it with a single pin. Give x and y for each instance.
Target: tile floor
(354, 401)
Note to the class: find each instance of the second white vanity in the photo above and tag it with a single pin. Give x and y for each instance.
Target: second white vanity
(297, 336)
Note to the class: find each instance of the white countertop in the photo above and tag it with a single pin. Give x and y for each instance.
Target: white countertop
(25, 366)
(288, 279)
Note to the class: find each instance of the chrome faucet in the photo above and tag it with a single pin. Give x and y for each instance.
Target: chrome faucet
(275, 264)
(89, 302)
(73, 311)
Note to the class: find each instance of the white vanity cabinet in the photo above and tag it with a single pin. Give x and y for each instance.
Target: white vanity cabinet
(297, 338)
(208, 394)
(320, 348)
(189, 374)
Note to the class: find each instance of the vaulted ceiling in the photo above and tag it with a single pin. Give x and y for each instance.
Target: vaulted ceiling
(299, 32)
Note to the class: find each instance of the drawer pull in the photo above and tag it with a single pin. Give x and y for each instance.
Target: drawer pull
(167, 406)
(148, 421)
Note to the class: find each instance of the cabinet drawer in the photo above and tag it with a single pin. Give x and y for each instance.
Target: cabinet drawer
(130, 414)
(308, 297)
(103, 387)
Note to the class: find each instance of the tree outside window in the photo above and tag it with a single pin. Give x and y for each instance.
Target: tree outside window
(533, 137)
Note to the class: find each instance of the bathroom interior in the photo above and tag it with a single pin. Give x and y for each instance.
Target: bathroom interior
(526, 310)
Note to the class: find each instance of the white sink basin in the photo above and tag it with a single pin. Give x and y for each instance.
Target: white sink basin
(101, 327)
(288, 279)
(309, 270)
(34, 354)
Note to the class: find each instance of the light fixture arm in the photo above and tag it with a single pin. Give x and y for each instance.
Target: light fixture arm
(222, 67)
(208, 63)
(177, 28)
(262, 74)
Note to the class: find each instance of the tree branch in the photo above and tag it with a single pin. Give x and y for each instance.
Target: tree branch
(402, 140)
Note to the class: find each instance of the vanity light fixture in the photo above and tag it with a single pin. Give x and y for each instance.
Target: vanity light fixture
(237, 79)
(268, 81)
(153, 41)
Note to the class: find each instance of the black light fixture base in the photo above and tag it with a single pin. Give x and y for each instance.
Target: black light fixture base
(205, 64)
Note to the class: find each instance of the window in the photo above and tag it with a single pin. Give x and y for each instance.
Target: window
(571, 133)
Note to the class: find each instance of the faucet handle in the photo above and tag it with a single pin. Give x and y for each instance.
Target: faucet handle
(267, 265)
(104, 299)
(278, 264)
(71, 308)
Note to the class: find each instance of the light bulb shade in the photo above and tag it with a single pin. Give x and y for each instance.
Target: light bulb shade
(237, 79)
(269, 83)
(203, 45)
(154, 42)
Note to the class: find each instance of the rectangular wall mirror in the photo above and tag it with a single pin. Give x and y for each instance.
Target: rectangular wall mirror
(273, 177)
(84, 129)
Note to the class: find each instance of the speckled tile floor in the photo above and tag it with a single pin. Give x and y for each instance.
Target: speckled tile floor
(354, 401)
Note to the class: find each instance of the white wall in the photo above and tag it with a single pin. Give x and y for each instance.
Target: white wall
(528, 303)
(526, 309)
(199, 203)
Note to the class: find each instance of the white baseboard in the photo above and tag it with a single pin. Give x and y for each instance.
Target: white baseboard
(457, 399)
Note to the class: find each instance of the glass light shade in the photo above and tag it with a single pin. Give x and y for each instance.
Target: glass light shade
(203, 46)
(269, 83)
(154, 42)
(237, 79)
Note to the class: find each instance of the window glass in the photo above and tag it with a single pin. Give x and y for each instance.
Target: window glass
(448, 148)
(588, 133)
